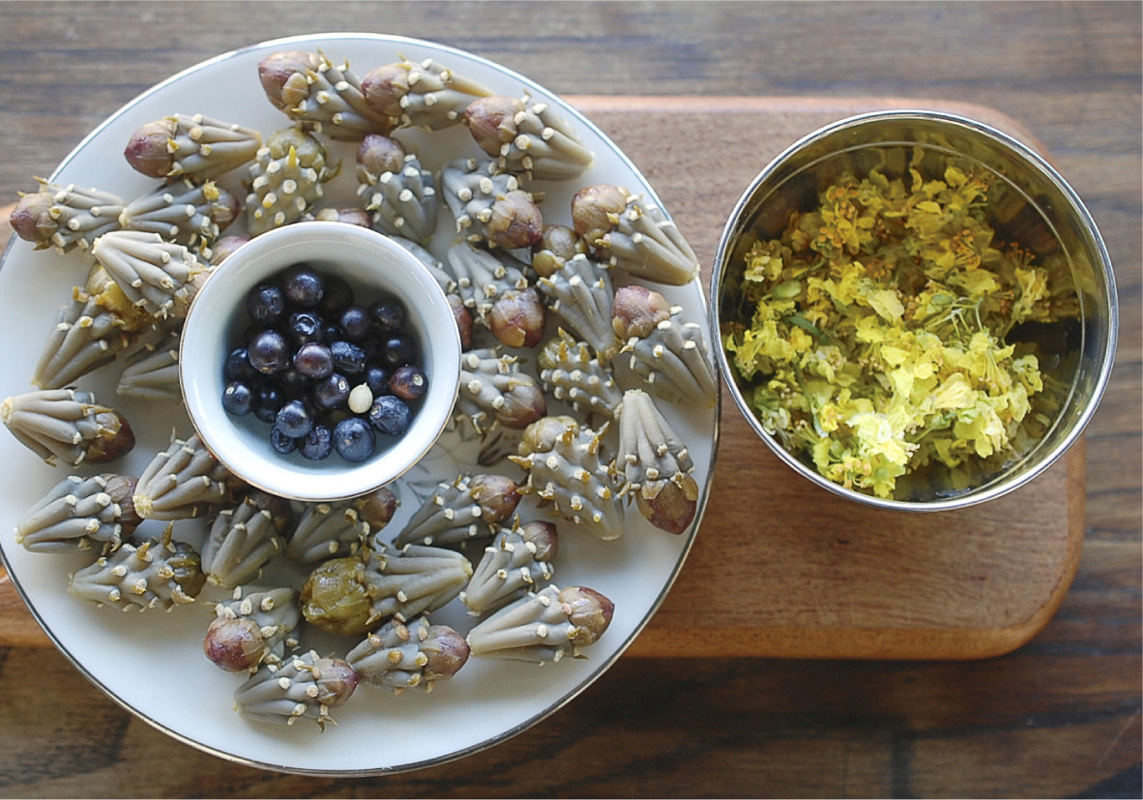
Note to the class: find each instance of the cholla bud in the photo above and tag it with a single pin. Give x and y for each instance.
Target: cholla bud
(527, 137)
(544, 626)
(402, 656)
(423, 95)
(193, 146)
(68, 426)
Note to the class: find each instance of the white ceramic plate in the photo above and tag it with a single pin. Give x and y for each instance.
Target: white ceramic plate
(152, 663)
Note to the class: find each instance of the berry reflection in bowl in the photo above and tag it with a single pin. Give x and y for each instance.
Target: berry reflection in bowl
(373, 266)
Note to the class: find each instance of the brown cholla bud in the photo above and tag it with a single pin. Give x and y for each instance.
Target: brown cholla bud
(399, 192)
(183, 212)
(656, 465)
(152, 368)
(158, 573)
(312, 90)
(300, 687)
(570, 372)
(528, 138)
(636, 310)
(512, 565)
(424, 95)
(85, 337)
(543, 626)
(349, 216)
(257, 624)
(285, 180)
(481, 278)
(401, 656)
(76, 514)
(194, 146)
(562, 459)
(470, 508)
(464, 323)
(580, 293)
(67, 426)
(493, 389)
(352, 595)
(183, 481)
(517, 318)
(671, 355)
(241, 541)
(557, 244)
(490, 206)
(628, 232)
(65, 217)
(225, 247)
(155, 275)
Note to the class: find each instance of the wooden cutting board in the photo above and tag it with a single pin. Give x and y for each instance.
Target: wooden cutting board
(781, 567)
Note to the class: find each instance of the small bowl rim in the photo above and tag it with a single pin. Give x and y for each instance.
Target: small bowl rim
(353, 479)
(1000, 485)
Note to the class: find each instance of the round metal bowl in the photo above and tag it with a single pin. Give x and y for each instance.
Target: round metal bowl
(1050, 219)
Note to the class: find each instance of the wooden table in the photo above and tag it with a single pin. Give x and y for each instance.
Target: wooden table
(1059, 716)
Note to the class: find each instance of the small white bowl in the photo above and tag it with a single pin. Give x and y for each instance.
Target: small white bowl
(369, 261)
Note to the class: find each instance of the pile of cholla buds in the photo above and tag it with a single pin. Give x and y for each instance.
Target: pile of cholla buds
(570, 357)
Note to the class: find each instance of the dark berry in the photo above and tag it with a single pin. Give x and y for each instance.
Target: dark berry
(408, 382)
(354, 323)
(399, 349)
(348, 358)
(317, 444)
(331, 392)
(265, 303)
(313, 360)
(377, 378)
(268, 352)
(237, 399)
(237, 366)
(303, 286)
(267, 401)
(294, 419)
(281, 442)
(353, 439)
(388, 313)
(305, 326)
(338, 294)
(389, 415)
(292, 382)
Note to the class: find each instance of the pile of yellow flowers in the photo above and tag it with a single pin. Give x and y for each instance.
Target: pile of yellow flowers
(874, 330)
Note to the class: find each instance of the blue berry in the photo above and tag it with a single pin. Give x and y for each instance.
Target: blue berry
(237, 399)
(377, 378)
(331, 392)
(354, 323)
(265, 303)
(348, 358)
(318, 443)
(268, 399)
(408, 382)
(314, 360)
(389, 415)
(268, 352)
(305, 326)
(281, 442)
(237, 366)
(387, 313)
(303, 286)
(353, 439)
(338, 294)
(398, 350)
(294, 419)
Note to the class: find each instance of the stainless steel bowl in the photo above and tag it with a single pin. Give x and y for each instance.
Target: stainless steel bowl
(1053, 219)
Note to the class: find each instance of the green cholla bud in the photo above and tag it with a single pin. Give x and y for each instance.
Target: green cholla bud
(285, 180)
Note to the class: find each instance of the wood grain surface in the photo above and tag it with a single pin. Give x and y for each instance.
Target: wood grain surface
(1060, 716)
